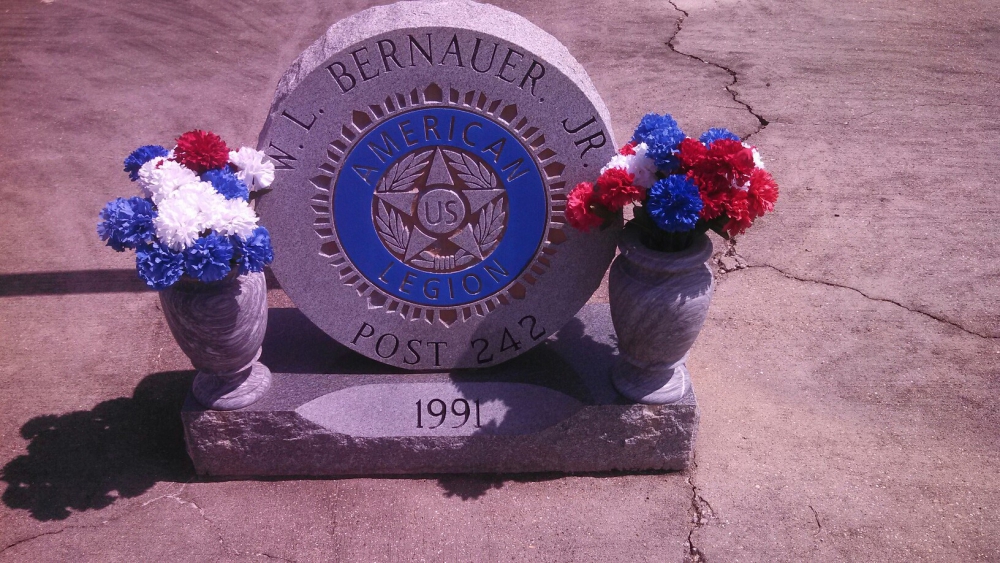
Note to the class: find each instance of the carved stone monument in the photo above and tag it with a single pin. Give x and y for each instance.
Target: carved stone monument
(424, 152)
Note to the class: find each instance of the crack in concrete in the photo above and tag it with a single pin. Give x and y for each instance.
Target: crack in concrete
(879, 299)
(701, 512)
(819, 527)
(729, 260)
(172, 496)
(35, 537)
(125, 513)
(211, 523)
(269, 556)
(762, 123)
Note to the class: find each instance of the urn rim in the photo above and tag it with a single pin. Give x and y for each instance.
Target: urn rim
(694, 256)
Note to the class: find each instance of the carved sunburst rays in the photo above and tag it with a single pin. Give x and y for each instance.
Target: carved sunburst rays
(487, 228)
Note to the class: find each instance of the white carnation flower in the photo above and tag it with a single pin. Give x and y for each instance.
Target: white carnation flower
(177, 223)
(253, 167)
(638, 164)
(146, 174)
(188, 211)
(160, 177)
(235, 218)
(197, 193)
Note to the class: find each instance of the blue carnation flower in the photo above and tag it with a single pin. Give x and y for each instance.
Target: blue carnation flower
(255, 252)
(159, 266)
(716, 133)
(127, 223)
(662, 135)
(208, 258)
(141, 156)
(674, 203)
(227, 184)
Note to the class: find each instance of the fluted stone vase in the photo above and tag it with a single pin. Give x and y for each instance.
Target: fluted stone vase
(659, 302)
(220, 326)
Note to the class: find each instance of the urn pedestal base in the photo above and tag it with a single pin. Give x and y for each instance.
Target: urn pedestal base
(553, 409)
(646, 385)
(231, 391)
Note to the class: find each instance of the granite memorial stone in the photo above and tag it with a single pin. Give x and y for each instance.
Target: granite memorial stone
(424, 151)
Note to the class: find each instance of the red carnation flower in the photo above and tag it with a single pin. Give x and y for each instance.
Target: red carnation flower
(615, 189)
(762, 194)
(713, 203)
(691, 152)
(201, 151)
(738, 211)
(578, 208)
(628, 149)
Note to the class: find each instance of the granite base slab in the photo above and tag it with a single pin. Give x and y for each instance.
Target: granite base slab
(332, 412)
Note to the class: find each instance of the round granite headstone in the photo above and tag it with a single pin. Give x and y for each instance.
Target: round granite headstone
(424, 153)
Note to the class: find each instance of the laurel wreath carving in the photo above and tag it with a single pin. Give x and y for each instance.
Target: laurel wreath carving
(476, 176)
(391, 229)
(402, 175)
(488, 226)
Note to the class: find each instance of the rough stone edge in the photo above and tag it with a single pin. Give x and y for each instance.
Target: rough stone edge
(283, 444)
(435, 13)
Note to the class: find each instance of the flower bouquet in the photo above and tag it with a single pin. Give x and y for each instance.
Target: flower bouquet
(194, 216)
(660, 286)
(196, 240)
(682, 187)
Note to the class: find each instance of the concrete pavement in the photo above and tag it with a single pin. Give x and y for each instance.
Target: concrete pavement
(847, 377)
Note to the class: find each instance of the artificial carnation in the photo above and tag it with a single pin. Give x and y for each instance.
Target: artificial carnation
(716, 133)
(147, 172)
(674, 204)
(140, 156)
(235, 217)
(738, 213)
(578, 207)
(201, 151)
(203, 197)
(691, 152)
(127, 223)
(762, 193)
(253, 252)
(615, 190)
(159, 178)
(628, 148)
(208, 258)
(158, 266)
(662, 135)
(227, 184)
(190, 209)
(177, 225)
(252, 167)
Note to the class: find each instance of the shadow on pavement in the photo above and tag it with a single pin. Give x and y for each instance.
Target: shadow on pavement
(86, 460)
(82, 281)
